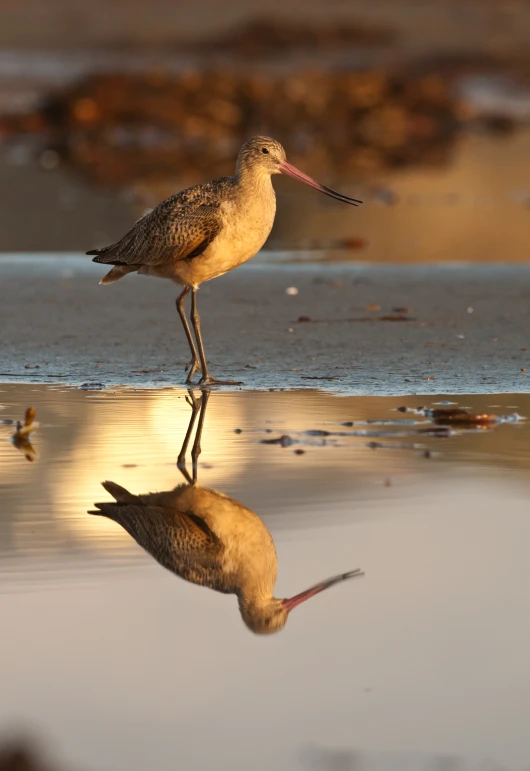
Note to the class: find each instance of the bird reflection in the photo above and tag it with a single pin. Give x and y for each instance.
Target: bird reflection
(210, 539)
(21, 437)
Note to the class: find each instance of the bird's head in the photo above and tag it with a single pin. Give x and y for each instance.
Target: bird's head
(265, 618)
(264, 155)
(269, 616)
(261, 153)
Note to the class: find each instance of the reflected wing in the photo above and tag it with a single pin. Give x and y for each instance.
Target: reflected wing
(179, 541)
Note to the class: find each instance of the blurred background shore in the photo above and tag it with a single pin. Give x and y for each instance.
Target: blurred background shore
(420, 25)
(420, 108)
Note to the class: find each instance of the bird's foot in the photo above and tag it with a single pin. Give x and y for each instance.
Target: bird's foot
(193, 366)
(204, 382)
(192, 400)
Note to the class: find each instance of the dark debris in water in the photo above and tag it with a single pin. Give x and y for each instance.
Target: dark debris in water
(434, 431)
(320, 377)
(21, 755)
(460, 417)
(436, 422)
(393, 446)
(18, 758)
(393, 317)
(359, 319)
(91, 387)
(283, 441)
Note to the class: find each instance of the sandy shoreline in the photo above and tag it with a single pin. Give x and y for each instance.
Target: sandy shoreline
(58, 325)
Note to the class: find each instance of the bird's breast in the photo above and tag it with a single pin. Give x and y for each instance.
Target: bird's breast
(244, 231)
(245, 228)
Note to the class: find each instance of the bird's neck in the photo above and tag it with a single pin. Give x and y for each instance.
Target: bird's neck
(252, 179)
(255, 601)
(256, 605)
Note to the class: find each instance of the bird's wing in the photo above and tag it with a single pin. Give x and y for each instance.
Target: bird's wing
(173, 538)
(180, 227)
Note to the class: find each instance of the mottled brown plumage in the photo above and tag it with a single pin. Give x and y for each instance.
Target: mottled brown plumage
(206, 231)
(179, 228)
(209, 539)
(201, 535)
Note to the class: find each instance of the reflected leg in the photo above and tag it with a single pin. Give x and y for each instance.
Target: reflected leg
(195, 405)
(196, 449)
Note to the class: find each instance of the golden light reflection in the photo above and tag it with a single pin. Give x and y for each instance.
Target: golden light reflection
(143, 447)
(134, 437)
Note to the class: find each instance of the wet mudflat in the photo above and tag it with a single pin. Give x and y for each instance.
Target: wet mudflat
(423, 658)
(351, 328)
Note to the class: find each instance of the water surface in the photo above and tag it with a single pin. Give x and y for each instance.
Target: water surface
(124, 665)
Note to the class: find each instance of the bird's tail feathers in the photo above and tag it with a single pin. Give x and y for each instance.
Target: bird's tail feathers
(117, 272)
(119, 493)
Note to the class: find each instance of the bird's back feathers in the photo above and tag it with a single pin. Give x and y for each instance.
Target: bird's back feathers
(180, 227)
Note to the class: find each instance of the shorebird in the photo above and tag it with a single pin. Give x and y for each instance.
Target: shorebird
(206, 231)
(210, 539)
(21, 437)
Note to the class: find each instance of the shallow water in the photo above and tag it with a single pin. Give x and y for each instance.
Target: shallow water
(421, 663)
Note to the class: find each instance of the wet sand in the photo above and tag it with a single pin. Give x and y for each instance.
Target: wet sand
(467, 330)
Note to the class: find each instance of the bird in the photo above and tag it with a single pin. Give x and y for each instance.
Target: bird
(23, 430)
(21, 437)
(210, 539)
(205, 231)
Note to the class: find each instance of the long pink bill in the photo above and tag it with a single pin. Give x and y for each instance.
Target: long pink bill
(292, 602)
(292, 171)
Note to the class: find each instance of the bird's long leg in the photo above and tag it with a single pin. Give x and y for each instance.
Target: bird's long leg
(196, 449)
(195, 405)
(206, 378)
(194, 364)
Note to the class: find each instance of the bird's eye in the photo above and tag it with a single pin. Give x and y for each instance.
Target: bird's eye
(264, 151)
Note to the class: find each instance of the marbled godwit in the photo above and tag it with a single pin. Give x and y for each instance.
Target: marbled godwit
(205, 231)
(21, 438)
(210, 539)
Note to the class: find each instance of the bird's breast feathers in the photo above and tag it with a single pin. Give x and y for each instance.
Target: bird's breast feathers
(245, 228)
